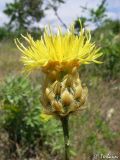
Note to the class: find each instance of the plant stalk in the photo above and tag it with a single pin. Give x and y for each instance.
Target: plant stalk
(65, 127)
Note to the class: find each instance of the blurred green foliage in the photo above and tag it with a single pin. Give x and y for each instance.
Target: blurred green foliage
(98, 15)
(7, 34)
(95, 16)
(23, 13)
(108, 39)
(20, 110)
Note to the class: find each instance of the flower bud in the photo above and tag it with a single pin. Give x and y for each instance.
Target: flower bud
(57, 88)
(50, 95)
(57, 106)
(74, 71)
(65, 95)
(84, 96)
(78, 91)
(82, 100)
(73, 107)
(69, 81)
(75, 74)
(66, 98)
(52, 75)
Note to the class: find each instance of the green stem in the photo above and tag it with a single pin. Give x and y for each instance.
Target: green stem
(64, 121)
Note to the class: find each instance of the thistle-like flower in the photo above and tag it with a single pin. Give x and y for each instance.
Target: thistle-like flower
(59, 56)
(58, 52)
(64, 97)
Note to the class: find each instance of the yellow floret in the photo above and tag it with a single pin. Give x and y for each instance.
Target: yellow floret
(59, 51)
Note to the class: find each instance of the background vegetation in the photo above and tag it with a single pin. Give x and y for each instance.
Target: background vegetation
(24, 135)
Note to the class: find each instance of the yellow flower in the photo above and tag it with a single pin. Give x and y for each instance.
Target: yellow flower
(45, 117)
(58, 52)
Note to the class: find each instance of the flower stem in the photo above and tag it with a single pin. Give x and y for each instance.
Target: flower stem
(64, 121)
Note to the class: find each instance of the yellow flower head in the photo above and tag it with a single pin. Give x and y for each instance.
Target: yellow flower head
(58, 52)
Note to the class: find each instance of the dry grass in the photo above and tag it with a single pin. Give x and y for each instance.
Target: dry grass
(105, 100)
(9, 59)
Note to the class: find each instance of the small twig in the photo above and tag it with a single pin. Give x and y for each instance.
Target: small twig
(61, 21)
(55, 8)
